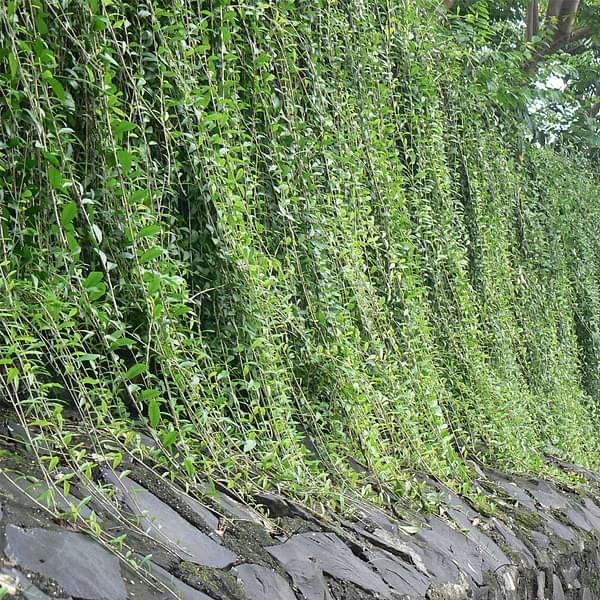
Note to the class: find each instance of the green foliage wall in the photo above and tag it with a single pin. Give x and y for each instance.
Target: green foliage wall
(284, 237)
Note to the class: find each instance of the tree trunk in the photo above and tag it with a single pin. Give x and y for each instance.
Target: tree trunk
(558, 24)
(560, 19)
(533, 23)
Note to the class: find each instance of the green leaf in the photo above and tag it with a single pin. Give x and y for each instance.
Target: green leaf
(249, 445)
(150, 254)
(153, 282)
(121, 127)
(93, 279)
(40, 23)
(154, 413)
(97, 292)
(150, 394)
(97, 233)
(188, 463)
(57, 88)
(149, 230)
(72, 241)
(124, 341)
(170, 438)
(138, 196)
(57, 181)
(88, 357)
(125, 160)
(69, 212)
(13, 65)
(134, 371)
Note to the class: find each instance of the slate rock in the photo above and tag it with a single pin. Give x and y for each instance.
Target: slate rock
(508, 578)
(79, 565)
(547, 495)
(559, 529)
(428, 559)
(232, 507)
(458, 548)
(541, 585)
(493, 554)
(515, 543)
(48, 497)
(557, 589)
(205, 514)
(167, 526)
(400, 576)
(261, 582)
(449, 591)
(584, 516)
(571, 575)
(16, 579)
(183, 590)
(306, 555)
(512, 489)
(586, 594)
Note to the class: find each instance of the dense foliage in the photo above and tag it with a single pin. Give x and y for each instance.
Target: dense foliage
(288, 239)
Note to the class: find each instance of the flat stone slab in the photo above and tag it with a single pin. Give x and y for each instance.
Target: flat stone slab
(167, 526)
(305, 554)
(46, 496)
(207, 517)
(183, 590)
(401, 577)
(13, 579)
(232, 507)
(261, 582)
(78, 565)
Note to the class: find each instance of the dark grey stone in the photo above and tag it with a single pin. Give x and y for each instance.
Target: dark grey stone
(401, 577)
(167, 526)
(409, 552)
(467, 519)
(571, 575)
(261, 582)
(146, 440)
(25, 587)
(449, 591)
(306, 555)
(79, 565)
(559, 529)
(34, 493)
(428, 560)
(512, 489)
(459, 548)
(541, 585)
(206, 516)
(545, 494)
(557, 589)
(541, 541)
(586, 594)
(516, 545)
(183, 590)
(232, 507)
(592, 508)
(586, 516)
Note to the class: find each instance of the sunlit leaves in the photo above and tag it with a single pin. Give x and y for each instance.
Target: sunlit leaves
(135, 371)
(247, 228)
(55, 177)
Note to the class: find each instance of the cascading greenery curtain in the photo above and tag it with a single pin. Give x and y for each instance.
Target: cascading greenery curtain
(286, 237)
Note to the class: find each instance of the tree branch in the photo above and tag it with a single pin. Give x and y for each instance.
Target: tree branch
(559, 43)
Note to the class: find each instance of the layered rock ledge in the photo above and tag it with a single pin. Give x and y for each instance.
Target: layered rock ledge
(541, 541)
